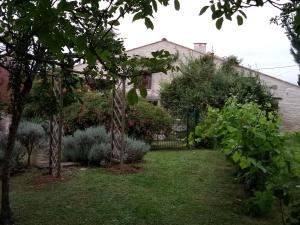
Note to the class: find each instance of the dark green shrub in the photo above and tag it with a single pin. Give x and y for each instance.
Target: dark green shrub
(143, 120)
(94, 109)
(17, 162)
(201, 84)
(261, 203)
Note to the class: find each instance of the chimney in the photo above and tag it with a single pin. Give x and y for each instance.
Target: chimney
(200, 47)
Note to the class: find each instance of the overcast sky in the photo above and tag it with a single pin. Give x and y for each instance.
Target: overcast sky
(257, 42)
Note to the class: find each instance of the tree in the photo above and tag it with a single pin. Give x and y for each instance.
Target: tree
(200, 84)
(289, 19)
(226, 9)
(31, 136)
(40, 36)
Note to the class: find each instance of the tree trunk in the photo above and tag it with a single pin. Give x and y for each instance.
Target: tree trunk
(19, 95)
(6, 213)
(29, 159)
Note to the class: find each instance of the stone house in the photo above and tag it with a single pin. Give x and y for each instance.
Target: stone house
(288, 94)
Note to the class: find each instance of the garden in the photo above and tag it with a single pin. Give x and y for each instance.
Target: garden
(237, 166)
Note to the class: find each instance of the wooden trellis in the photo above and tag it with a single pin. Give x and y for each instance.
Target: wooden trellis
(56, 131)
(118, 123)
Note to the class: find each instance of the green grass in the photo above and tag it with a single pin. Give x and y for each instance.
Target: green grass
(172, 188)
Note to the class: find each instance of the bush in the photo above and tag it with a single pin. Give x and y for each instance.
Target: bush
(17, 155)
(251, 139)
(92, 146)
(135, 150)
(261, 203)
(78, 146)
(31, 136)
(93, 110)
(201, 84)
(143, 119)
(99, 152)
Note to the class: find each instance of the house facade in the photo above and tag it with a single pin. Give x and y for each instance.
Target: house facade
(288, 94)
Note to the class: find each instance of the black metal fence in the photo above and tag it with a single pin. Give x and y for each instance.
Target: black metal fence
(178, 137)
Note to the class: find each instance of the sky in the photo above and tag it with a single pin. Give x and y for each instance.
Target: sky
(259, 44)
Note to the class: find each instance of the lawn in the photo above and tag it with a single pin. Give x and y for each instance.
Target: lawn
(172, 188)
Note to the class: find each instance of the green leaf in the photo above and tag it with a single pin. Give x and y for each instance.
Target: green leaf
(154, 5)
(143, 92)
(81, 43)
(219, 23)
(176, 4)
(239, 20)
(114, 23)
(236, 157)
(259, 2)
(228, 17)
(149, 23)
(138, 16)
(213, 8)
(244, 163)
(243, 14)
(216, 14)
(91, 58)
(203, 10)
(132, 96)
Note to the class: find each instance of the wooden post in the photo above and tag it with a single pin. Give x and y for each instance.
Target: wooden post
(56, 129)
(60, 125)
(123, 123)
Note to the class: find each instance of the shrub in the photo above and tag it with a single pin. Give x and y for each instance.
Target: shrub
(143, 119)
(92, 146)
(93, 110)
(135, 150)
(99, 152)
(261, 203)
(78, 145)
(251, 139)
(31, 136)
(17, 155)
(201, 84)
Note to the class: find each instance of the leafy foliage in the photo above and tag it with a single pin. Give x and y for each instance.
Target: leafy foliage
(201, 84)
(261, 203)
(234, 9)
(290, 21)
(143, 119)
(250, 138)
(92, 146)
(93, 109)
